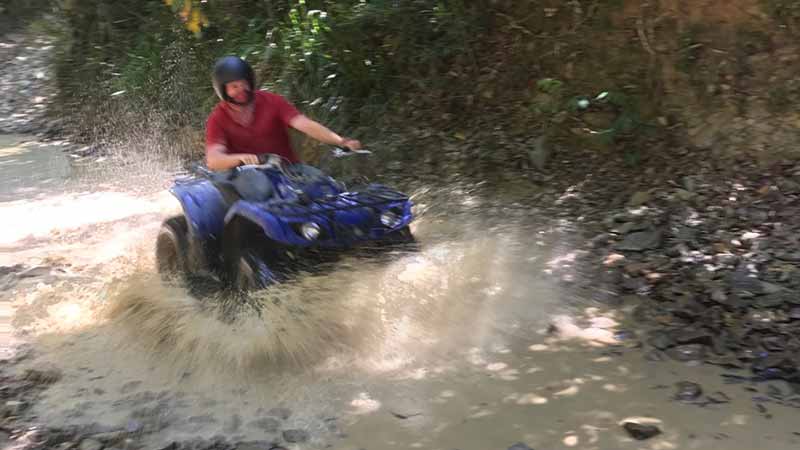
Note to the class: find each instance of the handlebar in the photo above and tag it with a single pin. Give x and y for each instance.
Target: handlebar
(339, 152)
(266, 160)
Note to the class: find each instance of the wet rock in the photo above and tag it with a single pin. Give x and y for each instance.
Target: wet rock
(773, 300)
(780, 389)
(640, 198)
(130, 386)
(641, 432)
(690, 352)
(719, 295)
(686, 391)
(718, 398)
(404, 415)
(255, 445)
(625, 228)
(90, 444)
(684, 195)
(295, 436)
(689, 183)
(7, 270)
(661, 340)
(204, 419)
(600, 240)
(744, 283)
(395, 165)
(771, 288)
(774, 343)
(267, 424)
(726, 259)
(519, 446)
(774, 366)
(233, 425)
(540, 154)
(691, 336)
(153, 419)
(110, 437)
(283, 413)
(134, 426)
(13, 408)
(35, 272)
(636, 269)
(48, 376)
(764, 319)
(642, 240)
(655, 355)
(793, 256)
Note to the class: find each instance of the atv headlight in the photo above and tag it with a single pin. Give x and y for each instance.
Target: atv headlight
(310, 231)
(390, 219)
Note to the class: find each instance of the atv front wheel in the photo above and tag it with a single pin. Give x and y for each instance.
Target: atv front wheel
(172, 246)
(401, 236)
(252, 273)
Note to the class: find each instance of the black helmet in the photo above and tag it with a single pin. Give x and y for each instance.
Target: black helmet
(232, 68)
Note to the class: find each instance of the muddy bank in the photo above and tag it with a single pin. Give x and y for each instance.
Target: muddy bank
(482, 339)
(708, 249)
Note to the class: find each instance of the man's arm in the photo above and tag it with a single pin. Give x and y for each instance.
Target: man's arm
(217, 159)
(321, 133)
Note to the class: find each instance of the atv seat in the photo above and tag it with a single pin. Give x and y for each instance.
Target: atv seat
(248, 184)
(253, 185)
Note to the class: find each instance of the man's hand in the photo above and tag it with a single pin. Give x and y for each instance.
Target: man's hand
(352, 144)
(319, 132)
(217, 159)
(246, 158)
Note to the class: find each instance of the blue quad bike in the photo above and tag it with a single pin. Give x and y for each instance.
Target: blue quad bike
(256, 225)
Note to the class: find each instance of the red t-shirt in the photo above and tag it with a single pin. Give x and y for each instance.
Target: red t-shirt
(267, 133)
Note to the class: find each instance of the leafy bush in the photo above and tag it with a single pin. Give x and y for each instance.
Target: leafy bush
(347, 62)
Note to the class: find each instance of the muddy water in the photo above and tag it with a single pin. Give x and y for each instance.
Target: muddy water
(439, 347)
(27, 172)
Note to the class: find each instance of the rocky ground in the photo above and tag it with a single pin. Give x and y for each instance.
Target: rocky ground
(707, 251)
(706, 248)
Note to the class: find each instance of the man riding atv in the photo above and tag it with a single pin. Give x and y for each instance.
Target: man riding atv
(249, 122)
(249, 223)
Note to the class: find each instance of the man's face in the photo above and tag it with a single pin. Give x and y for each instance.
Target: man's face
(238, 90)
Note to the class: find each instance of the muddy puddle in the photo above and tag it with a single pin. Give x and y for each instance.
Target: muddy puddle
(441, 346)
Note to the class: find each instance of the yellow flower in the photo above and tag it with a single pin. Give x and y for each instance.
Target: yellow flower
(194, 23)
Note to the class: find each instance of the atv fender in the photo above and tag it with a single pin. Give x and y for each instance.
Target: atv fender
(204, 208)
(274, 228)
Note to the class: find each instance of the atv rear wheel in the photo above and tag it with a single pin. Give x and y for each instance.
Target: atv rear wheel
(172, 246)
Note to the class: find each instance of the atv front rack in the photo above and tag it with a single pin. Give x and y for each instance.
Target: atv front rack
(375, 195)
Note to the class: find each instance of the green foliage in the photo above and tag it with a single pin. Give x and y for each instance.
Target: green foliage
(550, 86)
(786, 12)
(780, 99)
(610, 117)
(548, 101)
(14, 13)
(690, 50)
(344, 61)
